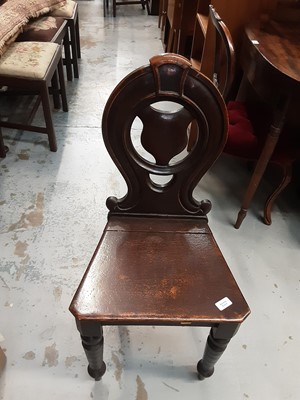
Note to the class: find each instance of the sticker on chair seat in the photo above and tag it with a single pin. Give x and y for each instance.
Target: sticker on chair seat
(223, 303)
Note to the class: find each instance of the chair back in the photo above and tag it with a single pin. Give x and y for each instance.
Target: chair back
(145, 128)
(224, 55)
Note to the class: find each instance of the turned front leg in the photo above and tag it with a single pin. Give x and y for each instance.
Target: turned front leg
(216, 344)
(92, 342)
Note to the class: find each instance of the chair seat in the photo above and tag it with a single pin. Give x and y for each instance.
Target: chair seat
(27, 59)
(66, 10)
(150, 271)
(43, 29)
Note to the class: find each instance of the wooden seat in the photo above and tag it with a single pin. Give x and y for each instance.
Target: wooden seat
(70, 12)
(28, 68)
(157, 262)
(250, 123)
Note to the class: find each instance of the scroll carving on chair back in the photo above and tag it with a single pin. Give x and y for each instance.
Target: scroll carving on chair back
(146, 127)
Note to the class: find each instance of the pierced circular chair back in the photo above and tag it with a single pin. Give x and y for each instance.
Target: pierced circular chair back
(145, 126)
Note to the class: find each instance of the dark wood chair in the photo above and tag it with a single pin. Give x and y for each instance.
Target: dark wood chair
(49, 29)
(144, 3)
(30, 68)
(157, 262)
(249, 122)
(70, 12)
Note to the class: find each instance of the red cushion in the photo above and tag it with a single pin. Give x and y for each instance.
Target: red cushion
(245, 142)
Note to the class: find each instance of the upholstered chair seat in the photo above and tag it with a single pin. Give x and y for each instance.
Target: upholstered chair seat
(34, 68)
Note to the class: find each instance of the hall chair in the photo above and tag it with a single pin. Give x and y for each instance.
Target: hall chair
(70, 12)
(28, 68)
(249, 123)
(157, 262)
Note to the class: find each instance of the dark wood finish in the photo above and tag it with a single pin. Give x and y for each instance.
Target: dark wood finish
(40, 87)
(222, 60)
(144, 4)
(157, 262)
(272, 76)
(72, 41)
(154, 7)
(3, 148)
(179, 27)
(235, 14)
(270, 59)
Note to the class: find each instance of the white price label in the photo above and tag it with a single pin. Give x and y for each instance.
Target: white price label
(223, 303)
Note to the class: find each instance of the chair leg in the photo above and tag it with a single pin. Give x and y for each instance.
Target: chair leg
(214, 349)
(68, 57)
(55, 91)
(74, 48)
(114, 8)
(3, 148)
(147, 6)
(286, 179)
(48, 117)
(92, 342)
(62, 86)
(77, 33)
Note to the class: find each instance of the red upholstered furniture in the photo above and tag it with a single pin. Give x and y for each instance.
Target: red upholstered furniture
(249, 122)
(157, 262)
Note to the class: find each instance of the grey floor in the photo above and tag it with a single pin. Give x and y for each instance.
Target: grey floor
(52, 213)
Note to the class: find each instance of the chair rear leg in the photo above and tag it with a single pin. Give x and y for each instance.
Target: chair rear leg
(77, 33)
(48, 117)
(62, 86)
(114, 8)
(55, 91)
(68, 57)
(3, 148)
(74, 48)
(286, 179)
(147, 6)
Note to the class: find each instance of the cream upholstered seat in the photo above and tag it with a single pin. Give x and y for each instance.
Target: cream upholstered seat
(48, 29)
(27, 59)
(30, 67)
(69, 11)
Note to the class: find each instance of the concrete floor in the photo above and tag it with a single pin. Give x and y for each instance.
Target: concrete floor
(52, 214)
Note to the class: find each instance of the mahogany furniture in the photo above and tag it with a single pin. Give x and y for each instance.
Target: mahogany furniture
(252, 135)
(235, 14)
(144, 3)
(28, 68)
(3, 148)
(270, 59)
(72, 40)
(157, 262)
(49, 29)
(179, 26)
